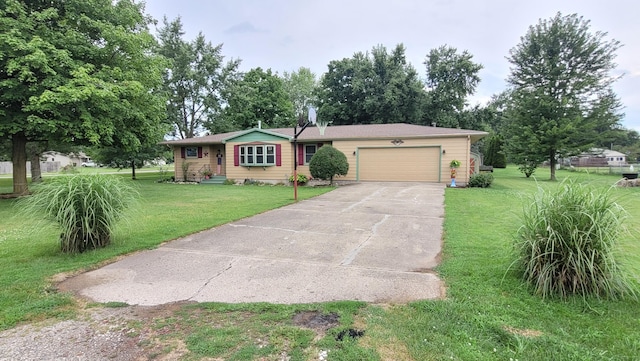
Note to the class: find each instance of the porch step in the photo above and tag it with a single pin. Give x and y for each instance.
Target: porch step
(217, 179)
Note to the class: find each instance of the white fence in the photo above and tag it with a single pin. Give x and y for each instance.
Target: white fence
(608, 170)
(45, 167)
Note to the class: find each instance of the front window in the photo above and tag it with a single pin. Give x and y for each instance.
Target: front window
(257, 155)
(191, 152)
(309, 151)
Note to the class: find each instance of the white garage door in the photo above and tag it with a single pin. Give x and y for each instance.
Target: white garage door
(399, 164)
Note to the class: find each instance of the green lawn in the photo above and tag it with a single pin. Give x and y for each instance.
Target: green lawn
(487, 315)
(29, 250)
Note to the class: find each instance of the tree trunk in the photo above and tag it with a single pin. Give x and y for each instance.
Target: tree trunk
(34, 152)
(36, 171)
(133, 169)
(19, 159)
(552, 164)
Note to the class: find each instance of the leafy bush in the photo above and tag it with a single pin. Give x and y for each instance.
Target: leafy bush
(567, 241)
(165, 175)
(302, 179)
(86, 207)
(528, 168)
(481, 180)
(327, 163)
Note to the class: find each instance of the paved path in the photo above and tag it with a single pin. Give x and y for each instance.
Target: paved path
(375, 242)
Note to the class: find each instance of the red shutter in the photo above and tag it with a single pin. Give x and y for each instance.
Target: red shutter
(199, 152)
(182, 152)
(278, 155)
(300, 154)
(320, 145)
(236, 155)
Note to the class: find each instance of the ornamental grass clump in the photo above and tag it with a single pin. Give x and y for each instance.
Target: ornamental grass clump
(85, 207)
(567, 244)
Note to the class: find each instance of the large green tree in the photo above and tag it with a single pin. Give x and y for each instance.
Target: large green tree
(376, 87)
(195, 80)
(562, 99)
(343, 90)
(301, 87)
(76, 71)
(259, 96)
(451, 78)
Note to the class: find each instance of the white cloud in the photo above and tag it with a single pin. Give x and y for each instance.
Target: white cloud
(243, 28)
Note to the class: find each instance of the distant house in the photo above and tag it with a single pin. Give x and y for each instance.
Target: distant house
(71, 159)
(375, 152)
(615, 158)
(61, 158)
(597, 157)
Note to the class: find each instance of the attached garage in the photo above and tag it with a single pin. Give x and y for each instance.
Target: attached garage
(408, 164)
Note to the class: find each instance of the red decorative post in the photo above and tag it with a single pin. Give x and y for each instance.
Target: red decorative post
(303, 125)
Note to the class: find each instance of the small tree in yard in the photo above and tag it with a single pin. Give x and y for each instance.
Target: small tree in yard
(528, 167)
(562, 99)
(86, 207)
(327, 163)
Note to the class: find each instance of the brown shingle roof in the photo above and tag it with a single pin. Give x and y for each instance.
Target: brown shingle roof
(343, 132)
(207, 139)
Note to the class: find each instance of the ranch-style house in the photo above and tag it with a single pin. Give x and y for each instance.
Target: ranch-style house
(375, 152)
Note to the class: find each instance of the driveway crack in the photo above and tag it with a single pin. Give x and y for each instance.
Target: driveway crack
(220, 273)
(354, 253)
(364, 200)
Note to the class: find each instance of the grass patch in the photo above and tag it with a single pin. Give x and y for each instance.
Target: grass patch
(259, 331)
(30, 257)
(489, 314)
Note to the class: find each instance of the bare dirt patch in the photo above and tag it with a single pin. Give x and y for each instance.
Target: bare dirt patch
(98, 333)
(315, 320)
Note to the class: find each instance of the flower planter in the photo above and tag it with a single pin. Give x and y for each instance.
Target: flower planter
(630, 175)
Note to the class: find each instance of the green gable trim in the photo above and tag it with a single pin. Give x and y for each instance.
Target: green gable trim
(256, 135)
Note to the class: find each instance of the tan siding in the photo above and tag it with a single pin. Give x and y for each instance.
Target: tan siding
(456, 148)
(399, 164)
(348, 147)
(177, 171)
(196, 165)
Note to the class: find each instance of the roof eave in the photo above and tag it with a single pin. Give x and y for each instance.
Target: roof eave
(474, 137)
(275, 134)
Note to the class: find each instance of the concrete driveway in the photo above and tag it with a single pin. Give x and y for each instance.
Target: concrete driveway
(374, 242)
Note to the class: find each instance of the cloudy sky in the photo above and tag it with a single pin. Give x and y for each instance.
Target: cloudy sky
(286, 34)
